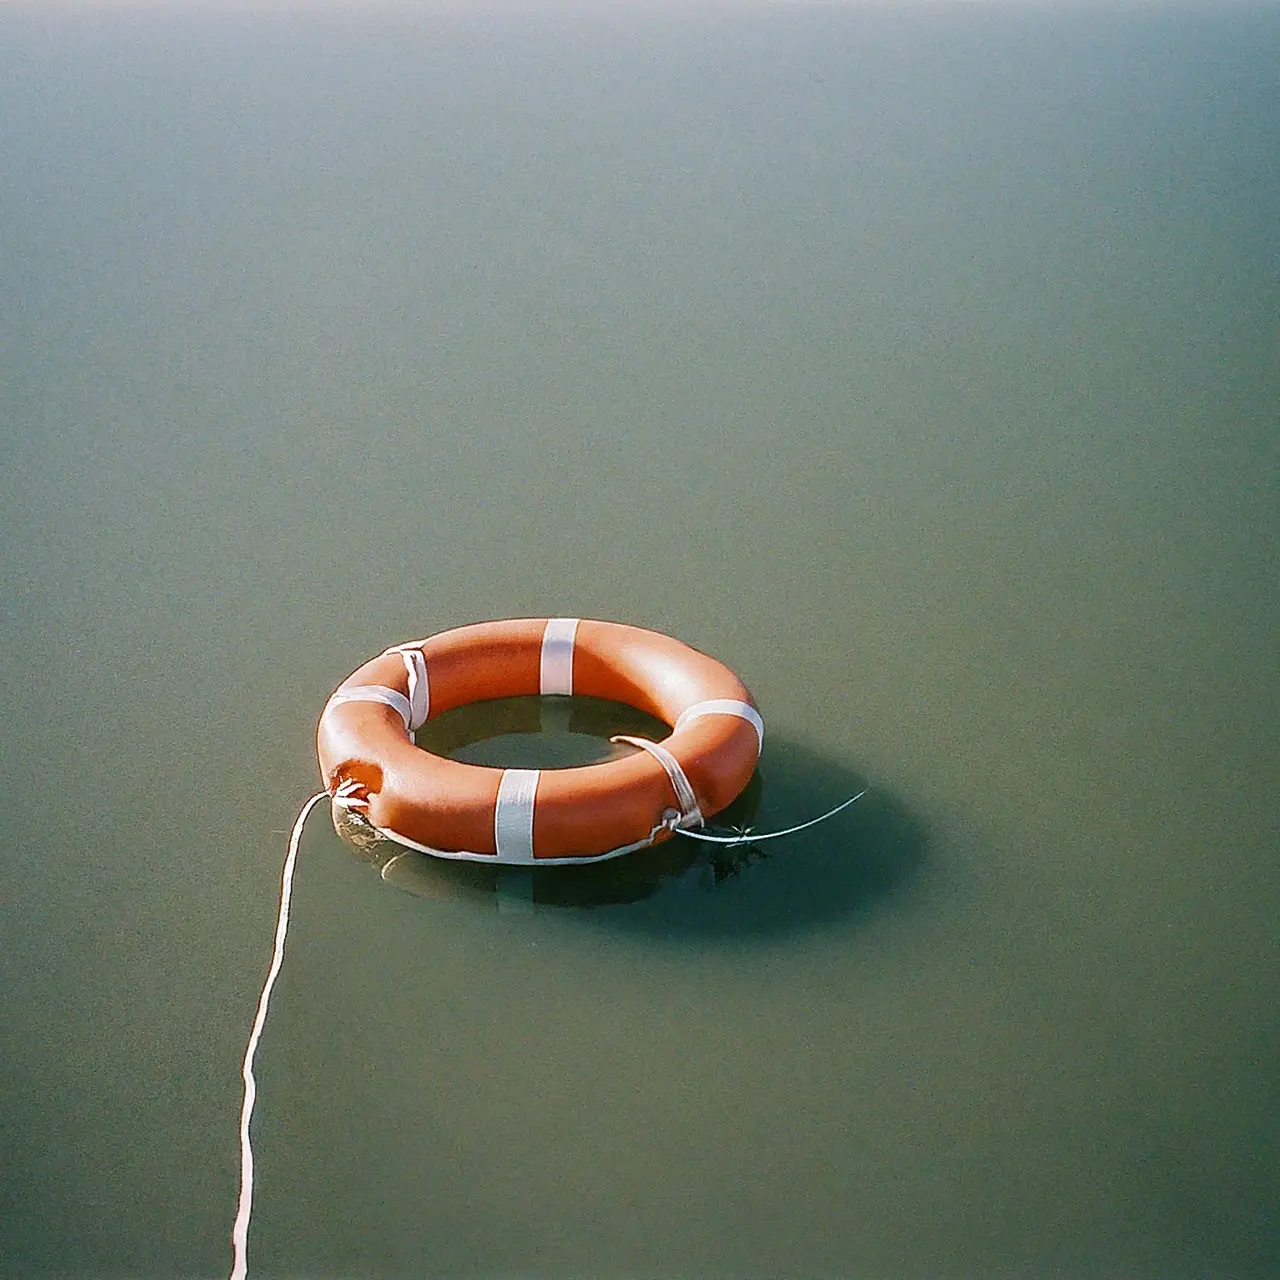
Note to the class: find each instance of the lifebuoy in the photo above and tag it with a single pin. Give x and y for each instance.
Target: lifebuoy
(530, 817)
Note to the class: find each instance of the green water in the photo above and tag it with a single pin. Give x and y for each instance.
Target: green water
(922, 365)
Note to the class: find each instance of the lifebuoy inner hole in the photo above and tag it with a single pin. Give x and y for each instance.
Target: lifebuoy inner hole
(538, 732)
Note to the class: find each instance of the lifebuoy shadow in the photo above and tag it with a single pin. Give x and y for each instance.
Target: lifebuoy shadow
(857, 860)
(854, 862)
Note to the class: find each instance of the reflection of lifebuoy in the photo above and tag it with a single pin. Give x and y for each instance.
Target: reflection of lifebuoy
(531, 817)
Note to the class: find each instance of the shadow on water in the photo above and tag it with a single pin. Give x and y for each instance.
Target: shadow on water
(682, 886)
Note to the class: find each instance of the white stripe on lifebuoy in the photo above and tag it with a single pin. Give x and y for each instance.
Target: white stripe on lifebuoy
(724, 707)
(557, 656)
(392, 698)
(513, 816)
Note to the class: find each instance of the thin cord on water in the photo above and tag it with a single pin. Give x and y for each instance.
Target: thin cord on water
(244, 1207)
(771, 835)
(240, 1232)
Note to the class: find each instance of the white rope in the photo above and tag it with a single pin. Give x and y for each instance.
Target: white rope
(415, 666)
(240, 1231)
(770, 835)
(689, 812)
(348, 795)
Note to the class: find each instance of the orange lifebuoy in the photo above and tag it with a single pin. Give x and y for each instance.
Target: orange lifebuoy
(373, 768)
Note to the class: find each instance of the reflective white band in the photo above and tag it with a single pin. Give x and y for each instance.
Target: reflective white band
(690, 813)
(724, 707)
(513, 816)
(375, 693)
(415, 666)
(557, 655)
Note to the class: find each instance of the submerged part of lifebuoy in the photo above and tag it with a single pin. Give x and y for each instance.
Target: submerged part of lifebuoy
(373, 768)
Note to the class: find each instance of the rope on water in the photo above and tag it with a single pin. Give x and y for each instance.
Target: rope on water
(240, 1232)
(750, 838)
(244, 1207)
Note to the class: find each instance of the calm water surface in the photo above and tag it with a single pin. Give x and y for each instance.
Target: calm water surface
(923, 367)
